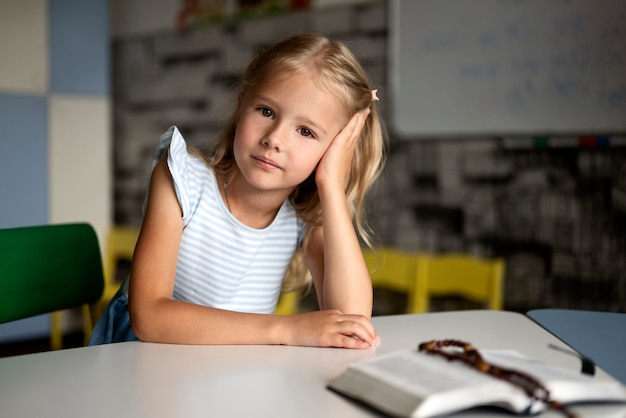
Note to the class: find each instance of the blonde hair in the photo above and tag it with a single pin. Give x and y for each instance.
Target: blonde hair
(333, 66)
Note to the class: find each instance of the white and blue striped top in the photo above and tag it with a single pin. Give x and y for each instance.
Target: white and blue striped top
(223, 263)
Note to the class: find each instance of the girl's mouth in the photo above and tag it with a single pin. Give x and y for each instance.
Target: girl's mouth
(266, 163)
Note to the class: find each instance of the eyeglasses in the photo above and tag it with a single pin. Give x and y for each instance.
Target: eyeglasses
(468, 354)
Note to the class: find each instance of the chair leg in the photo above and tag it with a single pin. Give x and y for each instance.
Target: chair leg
(419, 299)
(288, 304)
(87, 323)
(56, 335)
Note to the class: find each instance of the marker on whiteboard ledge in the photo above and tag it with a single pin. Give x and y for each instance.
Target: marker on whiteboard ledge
(618, 141)
(563, 142)
(517, 142)
(603, 141)
(540, 141)
(587, 141)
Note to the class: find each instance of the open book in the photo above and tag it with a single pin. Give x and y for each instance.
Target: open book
(421, 385)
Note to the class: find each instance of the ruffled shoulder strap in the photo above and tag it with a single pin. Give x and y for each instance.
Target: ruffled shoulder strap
(187, 170)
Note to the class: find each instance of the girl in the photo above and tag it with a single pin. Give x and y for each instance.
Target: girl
(281, 193)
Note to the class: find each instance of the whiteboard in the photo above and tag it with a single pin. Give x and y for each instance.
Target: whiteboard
(507, 67)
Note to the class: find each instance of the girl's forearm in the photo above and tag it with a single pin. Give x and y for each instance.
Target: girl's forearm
(177, 322)
(347, 285)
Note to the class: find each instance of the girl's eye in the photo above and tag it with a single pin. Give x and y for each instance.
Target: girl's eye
(306, 132)
(266, 112)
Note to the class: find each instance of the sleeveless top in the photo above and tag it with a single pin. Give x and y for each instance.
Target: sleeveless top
(223, 263)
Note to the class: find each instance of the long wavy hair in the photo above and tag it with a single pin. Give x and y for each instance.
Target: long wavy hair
(333, 66)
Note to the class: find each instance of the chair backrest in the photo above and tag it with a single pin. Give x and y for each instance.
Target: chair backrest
(120, 245)
(48, 268)
(390, 268)
(479, 280)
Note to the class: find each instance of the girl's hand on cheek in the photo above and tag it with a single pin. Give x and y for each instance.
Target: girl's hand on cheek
(334, 167)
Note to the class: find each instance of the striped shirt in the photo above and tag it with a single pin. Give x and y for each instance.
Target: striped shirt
(223, 263)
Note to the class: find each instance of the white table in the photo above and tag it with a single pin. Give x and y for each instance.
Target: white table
(159, 380)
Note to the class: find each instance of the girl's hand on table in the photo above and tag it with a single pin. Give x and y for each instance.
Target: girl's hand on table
(330, 328)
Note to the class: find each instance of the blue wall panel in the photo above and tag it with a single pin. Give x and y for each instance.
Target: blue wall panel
(23, 138)
(78, 63)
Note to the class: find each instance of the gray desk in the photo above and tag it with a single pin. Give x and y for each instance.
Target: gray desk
(601, 336)
(159, 380)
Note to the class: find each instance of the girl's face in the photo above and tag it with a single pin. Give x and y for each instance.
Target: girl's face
(283, 130)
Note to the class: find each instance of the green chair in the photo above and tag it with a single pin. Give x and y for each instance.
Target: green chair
(44, 269)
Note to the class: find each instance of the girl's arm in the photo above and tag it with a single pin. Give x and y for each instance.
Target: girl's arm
(156, 317)
(334, 255)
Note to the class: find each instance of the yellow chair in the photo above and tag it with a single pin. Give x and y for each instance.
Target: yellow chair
(120, 246)
(56, 326)
(288, 304)
(393, 269)
(478, 280)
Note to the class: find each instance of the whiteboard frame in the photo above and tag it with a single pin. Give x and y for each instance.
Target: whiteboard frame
(596, 124)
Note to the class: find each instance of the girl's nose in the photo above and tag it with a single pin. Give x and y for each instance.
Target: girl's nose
(271, 139)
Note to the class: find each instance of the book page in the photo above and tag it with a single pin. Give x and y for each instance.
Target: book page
(564, 385)
(409, 383)
(422, 374)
